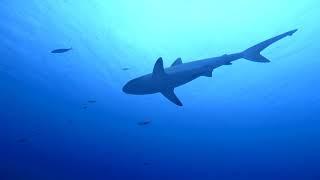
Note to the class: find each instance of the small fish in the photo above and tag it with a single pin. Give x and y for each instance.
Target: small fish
(146, 163)
(92, 101)
(125, 69)
(22, 140)
(61, 50)
(85, 107)
(144, 123)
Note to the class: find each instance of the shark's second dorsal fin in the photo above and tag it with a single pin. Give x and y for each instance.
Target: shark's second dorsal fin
(158, 70)
(177, 62)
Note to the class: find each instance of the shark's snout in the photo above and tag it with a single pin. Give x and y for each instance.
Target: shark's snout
(131, 87)
(126, 88)
(139, 86)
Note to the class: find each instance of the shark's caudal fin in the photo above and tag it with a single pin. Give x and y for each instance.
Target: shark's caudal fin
(253, 53)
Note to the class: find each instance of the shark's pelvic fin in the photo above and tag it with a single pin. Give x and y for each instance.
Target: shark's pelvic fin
(169, 94)
(177, 62)
(207, 74)
(158, 70)
(253, 53)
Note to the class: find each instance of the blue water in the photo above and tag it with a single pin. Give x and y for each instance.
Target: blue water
(250, 121)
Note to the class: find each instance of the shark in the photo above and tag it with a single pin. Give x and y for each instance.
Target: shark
(165, 80)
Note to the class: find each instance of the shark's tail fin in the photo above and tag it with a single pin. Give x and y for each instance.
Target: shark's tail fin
(253, 53)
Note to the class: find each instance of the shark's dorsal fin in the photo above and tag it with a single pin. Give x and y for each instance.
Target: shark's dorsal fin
(158, 70)
(177, 62)
(169, 94)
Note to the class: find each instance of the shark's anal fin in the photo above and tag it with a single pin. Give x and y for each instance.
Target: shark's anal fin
(178, 61)
(158, 70)
(169, 94)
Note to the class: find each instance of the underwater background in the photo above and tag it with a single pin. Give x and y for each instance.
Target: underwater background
(64, 116)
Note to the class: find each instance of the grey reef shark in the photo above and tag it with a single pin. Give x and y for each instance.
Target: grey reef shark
(165, 80)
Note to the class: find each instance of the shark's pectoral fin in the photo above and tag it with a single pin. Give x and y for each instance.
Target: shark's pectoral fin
(158, 70)
(169, 94)
(177, 62)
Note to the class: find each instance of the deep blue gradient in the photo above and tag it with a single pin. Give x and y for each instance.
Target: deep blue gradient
(249, 121)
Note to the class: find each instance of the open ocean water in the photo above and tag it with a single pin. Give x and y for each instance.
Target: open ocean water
(63, 116)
